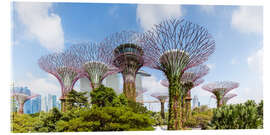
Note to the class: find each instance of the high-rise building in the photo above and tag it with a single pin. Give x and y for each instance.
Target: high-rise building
(27, 107)
(195, 102)
(113, 81)
(44, 104)
(36, 104)
(140, 74)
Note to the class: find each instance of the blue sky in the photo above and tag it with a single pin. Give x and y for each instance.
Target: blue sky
(44, 28)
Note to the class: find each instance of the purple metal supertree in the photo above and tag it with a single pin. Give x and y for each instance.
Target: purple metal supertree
(219, 89)
(162, 98)
(226, 98)
(125, 48)
(174, 46)
(95, 62)
(66, 68)
(21, 98)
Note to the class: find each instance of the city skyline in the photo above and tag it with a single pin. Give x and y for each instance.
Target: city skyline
(238, 55)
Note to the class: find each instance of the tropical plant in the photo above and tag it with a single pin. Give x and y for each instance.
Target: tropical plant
(237, 116)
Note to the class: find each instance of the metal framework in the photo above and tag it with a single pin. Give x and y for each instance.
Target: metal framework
(21, 98)
(226, 98)
(174, 46)
(125, 47)
(219, 89)
(94, 61)
(162, 98)
(66, 68)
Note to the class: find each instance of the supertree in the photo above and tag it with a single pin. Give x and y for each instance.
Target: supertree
(174, 46)
(226, 98)
(125, 48)
(21, 98)
(66, 68)
(191, 78)
(95, 62)
(162, 98)
(219, 89)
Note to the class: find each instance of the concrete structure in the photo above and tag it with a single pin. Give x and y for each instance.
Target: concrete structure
(139, 84)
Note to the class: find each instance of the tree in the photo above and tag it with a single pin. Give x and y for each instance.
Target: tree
(219, 89)
(126, 50)
(174, 46)
(66, 68)
(237, 116)
(76, 99)
(103, 96)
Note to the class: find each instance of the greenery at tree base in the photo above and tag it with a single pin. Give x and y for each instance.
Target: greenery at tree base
(248, 115)
(200, 118)
(108, 112)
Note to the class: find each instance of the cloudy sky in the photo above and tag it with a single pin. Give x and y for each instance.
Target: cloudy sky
(42, 28)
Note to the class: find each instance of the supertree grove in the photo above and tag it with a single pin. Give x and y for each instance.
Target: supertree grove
(95, 63)
(174, 46)
(125, 48)
(162, 98)
(220, 89)
(66, 68)
(21, 98)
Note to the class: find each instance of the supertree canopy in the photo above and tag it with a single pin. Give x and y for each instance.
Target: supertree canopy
(162, 98)
(174, 46)
(226, 98)
(65, 67)
(125, 48)
(95, 63)
(220, 89)
(21, 98)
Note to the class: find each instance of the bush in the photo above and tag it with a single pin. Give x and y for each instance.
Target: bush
(238, 116)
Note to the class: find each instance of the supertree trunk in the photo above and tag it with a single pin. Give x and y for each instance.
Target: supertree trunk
(175, 104)
(162, 109)
(21, 108)
(63, 103)
(130, 90)
(188, 108)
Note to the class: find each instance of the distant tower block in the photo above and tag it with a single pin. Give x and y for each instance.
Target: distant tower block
(112, 81)
(195, 102)
(85, 87)
(139, 88)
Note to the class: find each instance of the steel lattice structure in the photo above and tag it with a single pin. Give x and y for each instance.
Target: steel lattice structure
(226, 98)
(95, 63)
(66, 68)
(125, 47)
(21, 98)
(219, 89)
(162, 98)
(174, 46)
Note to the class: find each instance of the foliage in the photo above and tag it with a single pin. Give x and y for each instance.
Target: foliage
(76, 99)
(113, 113)
(158, 119)
(103, 96)
(23, 123)
(201, 116)
(238, 116)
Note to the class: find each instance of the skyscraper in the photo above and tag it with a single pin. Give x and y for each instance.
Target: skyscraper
(195, 102)
(36, 104)
(113, 81)
(140, 74)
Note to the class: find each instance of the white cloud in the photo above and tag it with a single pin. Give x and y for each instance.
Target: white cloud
(211, 65)
(209, 9)
(39, 85)
(248, 19)
(41, 24)
(151, 84)
(148, 15)
(255, 61)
